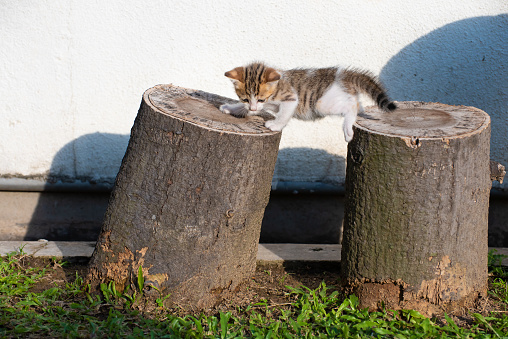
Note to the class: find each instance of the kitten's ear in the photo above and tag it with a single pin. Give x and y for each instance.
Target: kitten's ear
(235, 74)
(271, 75)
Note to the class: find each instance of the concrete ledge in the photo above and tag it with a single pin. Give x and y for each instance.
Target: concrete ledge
(82, 250)
(79, 250)
(298, 252)
(74, 250)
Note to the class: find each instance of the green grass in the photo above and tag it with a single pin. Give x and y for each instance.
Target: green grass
(71, 311)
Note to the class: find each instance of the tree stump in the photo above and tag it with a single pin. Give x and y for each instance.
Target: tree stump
(188, 201)
(417, 198)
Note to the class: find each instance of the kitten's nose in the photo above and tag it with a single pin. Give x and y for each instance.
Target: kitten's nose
(253, 106)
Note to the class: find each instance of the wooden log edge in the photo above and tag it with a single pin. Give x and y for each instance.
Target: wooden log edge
(178, 102)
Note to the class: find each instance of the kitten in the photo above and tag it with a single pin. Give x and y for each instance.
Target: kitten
(306, 94)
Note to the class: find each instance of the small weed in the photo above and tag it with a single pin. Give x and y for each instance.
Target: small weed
(141, 279)
(283, 278)
(109, 292)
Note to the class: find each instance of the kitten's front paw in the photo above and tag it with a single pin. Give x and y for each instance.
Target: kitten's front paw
(236, 110)
(348, 132)
(348, 136)
(274, 125)
(225, 109)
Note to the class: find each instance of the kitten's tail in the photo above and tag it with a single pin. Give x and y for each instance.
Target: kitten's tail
(355, 80)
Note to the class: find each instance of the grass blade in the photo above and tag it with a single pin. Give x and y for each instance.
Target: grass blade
(141, 279)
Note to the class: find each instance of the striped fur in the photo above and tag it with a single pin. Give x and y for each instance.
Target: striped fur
(356, 80)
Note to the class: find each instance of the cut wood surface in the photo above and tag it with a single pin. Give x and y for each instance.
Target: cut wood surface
(201, 108)
(188, 201)
(416, 215)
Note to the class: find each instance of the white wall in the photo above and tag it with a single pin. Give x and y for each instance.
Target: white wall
(73, 72)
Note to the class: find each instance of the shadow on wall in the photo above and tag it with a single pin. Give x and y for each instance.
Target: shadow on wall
(462, 63)
(94, 158)
(90, 164)
(304, 164)
(296, 215)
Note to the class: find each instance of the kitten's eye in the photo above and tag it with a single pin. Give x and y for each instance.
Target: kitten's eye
(261, 100)
(245, 100)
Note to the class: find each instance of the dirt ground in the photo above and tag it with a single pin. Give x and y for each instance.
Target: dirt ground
(266, 287)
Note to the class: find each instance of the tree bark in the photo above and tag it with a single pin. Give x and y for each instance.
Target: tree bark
(188, 201)
(417, 198)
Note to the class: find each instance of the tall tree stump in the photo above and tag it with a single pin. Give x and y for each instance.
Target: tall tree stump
(188, 201)
(417, 198)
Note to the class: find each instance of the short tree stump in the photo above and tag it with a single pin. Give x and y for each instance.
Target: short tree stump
(416, 215)
(186, 209)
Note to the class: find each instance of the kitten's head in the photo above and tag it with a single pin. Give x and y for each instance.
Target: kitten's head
(254, 84)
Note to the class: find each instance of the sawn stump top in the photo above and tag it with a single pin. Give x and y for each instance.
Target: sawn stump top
(202, 108)
(424, 120)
